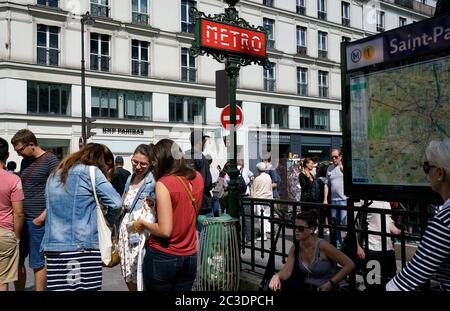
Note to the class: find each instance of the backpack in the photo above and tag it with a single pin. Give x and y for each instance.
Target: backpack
(242, 184)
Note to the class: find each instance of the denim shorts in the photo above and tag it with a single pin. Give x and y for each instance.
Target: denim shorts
(30, 244)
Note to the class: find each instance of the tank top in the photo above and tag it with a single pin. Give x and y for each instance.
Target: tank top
(183, 240)
(319, 271)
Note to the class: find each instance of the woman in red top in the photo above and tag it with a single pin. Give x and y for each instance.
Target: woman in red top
(170, 261)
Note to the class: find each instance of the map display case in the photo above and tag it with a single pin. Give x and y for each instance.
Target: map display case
(396, 99)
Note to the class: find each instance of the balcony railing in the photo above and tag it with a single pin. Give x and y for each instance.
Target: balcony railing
(302, 89)
(49, 3)
(323, 54)
(100, 63)
(323, 91)
(301, 50)
(346, 22)
(140, 68)
(414, 5)
(301, 10)
(140, 18)
(99, 10)
(270, 44)
(322, 15)
(269, 85)
(187, 27)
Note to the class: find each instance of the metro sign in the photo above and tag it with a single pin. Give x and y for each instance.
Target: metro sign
(219, 36)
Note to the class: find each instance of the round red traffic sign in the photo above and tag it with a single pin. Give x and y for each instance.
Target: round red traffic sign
(225, 117)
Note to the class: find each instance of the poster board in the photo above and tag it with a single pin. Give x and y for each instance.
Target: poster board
(396, 99)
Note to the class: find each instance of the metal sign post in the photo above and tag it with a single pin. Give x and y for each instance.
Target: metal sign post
(233, 41)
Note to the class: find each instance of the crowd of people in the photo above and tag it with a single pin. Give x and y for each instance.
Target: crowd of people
(48, 214)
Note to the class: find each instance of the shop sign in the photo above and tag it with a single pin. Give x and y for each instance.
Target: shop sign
(122, 131)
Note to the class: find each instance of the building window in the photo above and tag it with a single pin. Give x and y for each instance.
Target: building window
(323, 44)
(380, 21)
(314, 119)
(188, 66)
(268, 2)
(401, 21)
(269, 24)
(269, 79)
(104, 103)
(323, 83)
(139, 58)
(48, 98)
(322, 9)
(186, 20)
(302, 81)
(275, 115)
(100, 57)
(110, 103)
(138, 105)
(186, 109)
(301, 40)
(47, 45)
(301, 7)
(345, 14)
(100, 8)
(50, 3)
(139, 12)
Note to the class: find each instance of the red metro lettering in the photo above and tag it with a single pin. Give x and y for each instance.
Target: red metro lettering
(224, 37)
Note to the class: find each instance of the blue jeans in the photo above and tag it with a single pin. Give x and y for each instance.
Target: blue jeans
(339, 217)
(167, 272)
(30, 244)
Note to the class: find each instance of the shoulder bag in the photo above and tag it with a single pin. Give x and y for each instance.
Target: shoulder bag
(107, 245)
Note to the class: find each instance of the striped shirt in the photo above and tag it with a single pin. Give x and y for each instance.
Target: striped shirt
(432, 255)
(34, 185)
(74, 271)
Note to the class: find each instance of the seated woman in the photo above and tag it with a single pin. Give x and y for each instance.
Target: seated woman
(311, 263)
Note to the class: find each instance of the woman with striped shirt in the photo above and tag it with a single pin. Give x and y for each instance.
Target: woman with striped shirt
(433, 254)
(70, 241)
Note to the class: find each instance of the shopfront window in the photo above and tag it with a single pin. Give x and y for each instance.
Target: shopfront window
(48, 98)
(110, 103)
(186, 109)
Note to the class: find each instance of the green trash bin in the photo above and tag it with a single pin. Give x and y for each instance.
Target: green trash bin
(218, 257)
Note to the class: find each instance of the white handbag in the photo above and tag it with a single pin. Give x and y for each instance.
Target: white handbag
(104, 232)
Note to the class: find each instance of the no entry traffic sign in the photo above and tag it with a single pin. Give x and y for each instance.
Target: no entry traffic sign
(225, 117)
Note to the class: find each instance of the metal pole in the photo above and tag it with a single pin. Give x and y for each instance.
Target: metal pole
(232, 69)
(83, 94)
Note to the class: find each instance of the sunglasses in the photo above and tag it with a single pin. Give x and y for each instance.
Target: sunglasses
(335, 157)
(426, 167)
(22, 148)
(301, 228)
(142, 164)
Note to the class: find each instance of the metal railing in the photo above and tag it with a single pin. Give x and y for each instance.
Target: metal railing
(260, 256)
(140, 18)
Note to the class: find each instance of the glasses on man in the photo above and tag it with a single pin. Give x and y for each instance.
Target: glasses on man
(301, 228)
(21, 149)
(142, 164)
(426, 167)
(335, 157)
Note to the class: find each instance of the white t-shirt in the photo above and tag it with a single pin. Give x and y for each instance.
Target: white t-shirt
(374, 224)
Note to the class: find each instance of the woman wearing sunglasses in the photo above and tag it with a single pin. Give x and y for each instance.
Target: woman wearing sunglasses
(433, 254)
(311, 263)
(138, 203)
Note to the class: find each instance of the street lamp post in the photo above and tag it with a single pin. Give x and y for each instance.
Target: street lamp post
(88, 20)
